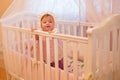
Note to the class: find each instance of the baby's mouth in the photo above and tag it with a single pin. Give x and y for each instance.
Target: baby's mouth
(48, 26)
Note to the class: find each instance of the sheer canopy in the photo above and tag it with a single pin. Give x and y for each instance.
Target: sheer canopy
(69, 10)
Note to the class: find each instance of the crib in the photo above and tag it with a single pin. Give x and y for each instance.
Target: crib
(98, 45)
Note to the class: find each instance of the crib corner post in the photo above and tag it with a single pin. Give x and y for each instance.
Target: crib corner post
(0, 37)
(88, 75)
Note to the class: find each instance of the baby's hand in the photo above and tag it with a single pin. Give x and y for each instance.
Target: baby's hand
(33, 28)
(49, 32)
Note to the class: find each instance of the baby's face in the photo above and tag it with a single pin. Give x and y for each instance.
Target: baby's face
(47, 23)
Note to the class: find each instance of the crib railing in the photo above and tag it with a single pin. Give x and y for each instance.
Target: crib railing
(73, 28)
(0, 38)
(104, 50)
(23, 65)
(28, 20)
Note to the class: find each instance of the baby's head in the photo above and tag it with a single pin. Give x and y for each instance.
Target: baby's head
(47, 22)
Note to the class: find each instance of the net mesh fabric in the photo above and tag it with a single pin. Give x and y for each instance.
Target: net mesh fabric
(68, 10)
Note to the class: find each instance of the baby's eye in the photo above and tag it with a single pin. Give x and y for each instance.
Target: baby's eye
(50, 21)
(44, 22)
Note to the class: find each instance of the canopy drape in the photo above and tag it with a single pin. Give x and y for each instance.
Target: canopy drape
(68, 10)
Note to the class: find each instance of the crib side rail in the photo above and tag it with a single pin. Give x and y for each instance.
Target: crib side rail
(25, 19)
(104, 48)
(74, 28)
(28, 20)
(29, 65)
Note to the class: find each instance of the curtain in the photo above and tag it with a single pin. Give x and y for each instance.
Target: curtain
(68, 10)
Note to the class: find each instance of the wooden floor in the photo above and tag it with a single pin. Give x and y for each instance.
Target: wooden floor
(2, 68)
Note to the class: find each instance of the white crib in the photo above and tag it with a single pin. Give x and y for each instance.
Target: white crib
(100, 49)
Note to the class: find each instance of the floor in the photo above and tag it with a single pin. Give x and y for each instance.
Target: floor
(2, 68)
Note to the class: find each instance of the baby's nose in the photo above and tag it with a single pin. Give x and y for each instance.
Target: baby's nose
(47, 23)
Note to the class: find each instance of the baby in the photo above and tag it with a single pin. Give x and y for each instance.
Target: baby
(47, 24)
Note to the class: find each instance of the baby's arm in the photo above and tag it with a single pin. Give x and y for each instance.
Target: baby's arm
(33, 29)
(36, 36)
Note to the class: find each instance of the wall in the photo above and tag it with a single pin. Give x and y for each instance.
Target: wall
(4, 4)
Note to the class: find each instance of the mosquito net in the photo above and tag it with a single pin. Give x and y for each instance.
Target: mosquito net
(69, 10)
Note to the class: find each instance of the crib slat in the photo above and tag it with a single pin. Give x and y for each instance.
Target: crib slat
(19, 52)
(107, 52)
(62, 28)
(62, 75)
(24, 68)
(22, 55)
(34, 60)
(7, 51)
(75, 58)
(56, 59)
(39, 70)
(48, 57)
(74, 30)
(34, 48)
(13, 50)
(69, 29)
(65, 77)
(104, 77)
(100, 55)
(53, 73)
(119, 49)
(29, 75)
(26, 56)
(71, 76)
(115, 55)
(81, 30)
(41, 57)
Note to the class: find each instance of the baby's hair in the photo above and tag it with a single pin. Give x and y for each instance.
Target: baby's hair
(47, 14)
